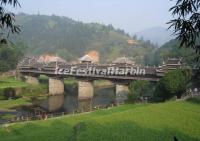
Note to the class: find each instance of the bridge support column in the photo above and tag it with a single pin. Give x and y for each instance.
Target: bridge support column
(56, 92)
(56, 86)
(121, 93)
(32, 80)
(85, 95)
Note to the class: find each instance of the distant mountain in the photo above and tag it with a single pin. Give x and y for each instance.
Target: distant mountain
(157, 35)
(71, 39)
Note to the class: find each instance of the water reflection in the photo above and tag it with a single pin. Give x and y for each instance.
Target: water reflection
(55, 102)
(104, 96)
(66, 103)
(70, 103)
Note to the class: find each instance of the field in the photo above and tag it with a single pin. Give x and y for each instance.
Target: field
(11, 82)
(139, 122)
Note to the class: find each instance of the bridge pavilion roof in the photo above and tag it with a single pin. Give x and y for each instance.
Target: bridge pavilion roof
(49, 58)
(174, 61)
(124, 60)
(86, 58)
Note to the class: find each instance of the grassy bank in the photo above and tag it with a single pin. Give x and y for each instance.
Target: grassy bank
(23, 92)
(10, 104)
(11, 82)
(150, 122)
(26, 91)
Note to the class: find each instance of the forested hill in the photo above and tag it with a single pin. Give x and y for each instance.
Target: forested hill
(171, 49)
(71, 39)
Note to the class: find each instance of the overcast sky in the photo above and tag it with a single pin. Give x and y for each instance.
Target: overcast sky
(130, 15)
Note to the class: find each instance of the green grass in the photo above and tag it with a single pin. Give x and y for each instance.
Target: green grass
(151, 122)
(27, 91)
(9, 104)
(35, 90)
(70, 82)
(7, 116)
(11, 82)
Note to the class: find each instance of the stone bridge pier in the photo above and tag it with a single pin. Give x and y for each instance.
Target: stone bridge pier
(121, 93)
(56, 86)
(56, 94)
(85, 95)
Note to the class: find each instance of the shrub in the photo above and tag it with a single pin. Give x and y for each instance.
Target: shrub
(2, 96)
(138, 89)
(195, 100)
(9, 93)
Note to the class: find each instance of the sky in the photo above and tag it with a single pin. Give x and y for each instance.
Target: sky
(131, 15)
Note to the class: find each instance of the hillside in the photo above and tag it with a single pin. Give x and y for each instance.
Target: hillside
(160, 122)
(157, 35)
(71, 39)
(171, 49)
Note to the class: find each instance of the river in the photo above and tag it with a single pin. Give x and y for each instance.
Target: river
(68, 103)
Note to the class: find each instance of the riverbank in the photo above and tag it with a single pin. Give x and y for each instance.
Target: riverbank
(17, 94)
(150, 122)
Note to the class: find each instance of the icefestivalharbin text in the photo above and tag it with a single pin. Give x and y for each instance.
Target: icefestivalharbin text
(100, 71)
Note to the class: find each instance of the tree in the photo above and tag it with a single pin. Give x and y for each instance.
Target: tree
(174, 83)
(138, 89)
(186, 24)
(10, 55)
(7, 20)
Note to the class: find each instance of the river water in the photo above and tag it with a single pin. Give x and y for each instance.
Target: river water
(69, 103)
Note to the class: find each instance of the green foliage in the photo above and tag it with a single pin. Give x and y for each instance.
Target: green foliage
(7, 20)
(9, 56)
(9, 93)
(160, 122)
(174, 83)
(186, 24)
(138, 89)
(170, 49)
(195, 100)
(2, 96)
